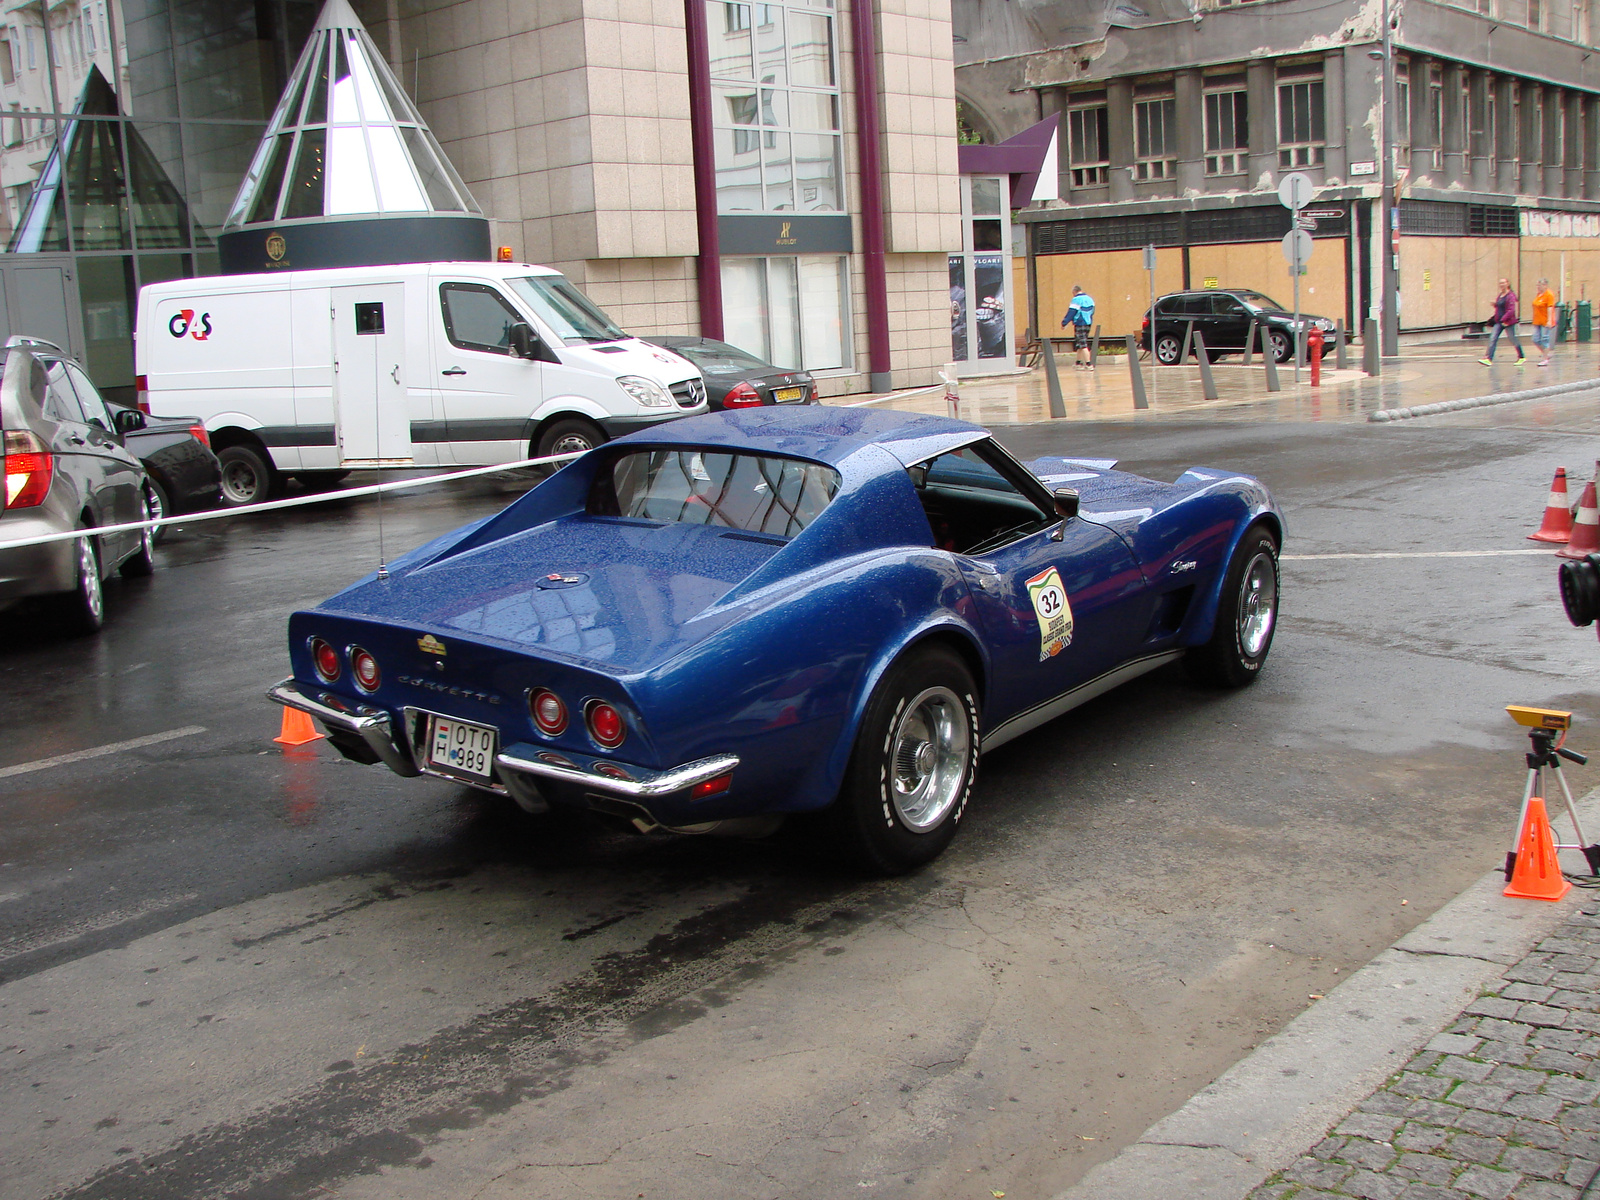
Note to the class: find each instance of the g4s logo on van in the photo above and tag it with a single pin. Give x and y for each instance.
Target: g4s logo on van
(183, 322)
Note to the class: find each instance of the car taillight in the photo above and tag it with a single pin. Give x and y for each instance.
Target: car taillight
(325, 659)
(141, 399)
(365, 669)
(201, 434)
(1146, 324)
(29, 468)
(548, 712)
(742, 396)
(711, 787)
(605, 724)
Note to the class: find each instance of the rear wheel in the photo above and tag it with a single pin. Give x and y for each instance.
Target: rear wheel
(143, 561)
(247, 477)
(913, 766)
(1247, 616)
(1168, 348)
(569, 435)
(83, 610)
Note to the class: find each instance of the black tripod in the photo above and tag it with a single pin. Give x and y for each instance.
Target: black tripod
(1547, 751)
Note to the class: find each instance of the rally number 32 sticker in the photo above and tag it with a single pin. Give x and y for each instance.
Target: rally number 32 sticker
(1054, 612)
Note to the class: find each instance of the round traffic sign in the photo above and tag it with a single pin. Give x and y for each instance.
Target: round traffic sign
(1295, 190)
(1296, 247)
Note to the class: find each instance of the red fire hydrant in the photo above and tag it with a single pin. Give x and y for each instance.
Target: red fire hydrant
(1314, 352)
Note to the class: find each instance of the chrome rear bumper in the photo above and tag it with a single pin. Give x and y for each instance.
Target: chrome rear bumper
(371, 725)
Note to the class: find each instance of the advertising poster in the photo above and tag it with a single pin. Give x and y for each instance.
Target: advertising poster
(958, 308)
(989, 282)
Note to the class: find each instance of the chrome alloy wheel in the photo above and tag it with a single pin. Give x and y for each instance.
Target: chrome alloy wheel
(147, 535)
(929, 753)
(1258, 604)
(94, 599)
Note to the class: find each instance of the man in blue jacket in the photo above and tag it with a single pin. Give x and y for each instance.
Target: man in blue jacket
(1080, 315)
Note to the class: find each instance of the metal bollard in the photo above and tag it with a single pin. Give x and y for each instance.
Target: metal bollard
(1249, 341)
(1269, 362)
(1208, 386)
(1139, 398)
(1052, 381)
(1339, 360)
(1188, 338)
(1094, 347)
(1371, 355)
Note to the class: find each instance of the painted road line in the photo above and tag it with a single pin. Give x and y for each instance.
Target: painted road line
(61, 760)
(1412, 554)
(43, 940)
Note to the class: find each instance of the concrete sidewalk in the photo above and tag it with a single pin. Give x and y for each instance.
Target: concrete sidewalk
(1422, 375)
(1462, 1062)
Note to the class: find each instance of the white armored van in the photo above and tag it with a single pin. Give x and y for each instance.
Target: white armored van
(317, 373)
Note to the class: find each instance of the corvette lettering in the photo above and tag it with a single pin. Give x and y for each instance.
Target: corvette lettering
(1051, 606)
(184, 322)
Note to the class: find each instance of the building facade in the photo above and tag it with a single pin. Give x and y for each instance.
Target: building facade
(1180, 116)
(782, 174)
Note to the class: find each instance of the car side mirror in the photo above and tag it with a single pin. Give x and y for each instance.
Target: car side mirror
(127, 420)
(523, 340)
(1066, 508)
(919, 476)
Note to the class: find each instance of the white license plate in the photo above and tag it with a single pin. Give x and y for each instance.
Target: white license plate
(457, 746)
(788, 395)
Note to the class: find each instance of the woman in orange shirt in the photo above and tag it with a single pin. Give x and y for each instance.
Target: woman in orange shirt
(1544, 321)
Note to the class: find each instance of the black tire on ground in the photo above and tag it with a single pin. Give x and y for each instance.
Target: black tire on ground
(1247, 615)
(315, 480)
(161, 506)
(568, 435)
(1168, 347)
(143, 561)
(247, 477)
(1282, 345)
(913, 766)
(83, 610)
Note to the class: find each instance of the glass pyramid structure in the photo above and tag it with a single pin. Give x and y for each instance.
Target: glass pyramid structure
(347, 145)
(86, 184)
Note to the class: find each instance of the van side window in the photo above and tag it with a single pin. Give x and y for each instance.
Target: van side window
(60, 401)
(477, 317)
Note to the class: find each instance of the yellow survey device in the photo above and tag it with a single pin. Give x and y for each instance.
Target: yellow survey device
(1539, 718)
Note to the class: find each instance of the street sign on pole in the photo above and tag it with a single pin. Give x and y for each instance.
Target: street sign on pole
(1295, 190)
(1297, 246)
(1150, 258)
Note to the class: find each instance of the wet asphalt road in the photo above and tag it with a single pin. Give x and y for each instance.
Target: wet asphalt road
(229, 969)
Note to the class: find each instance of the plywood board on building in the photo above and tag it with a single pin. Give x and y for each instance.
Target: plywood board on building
(1543, 258)
(1260, 266)
(1115, 278)
(1452, 281)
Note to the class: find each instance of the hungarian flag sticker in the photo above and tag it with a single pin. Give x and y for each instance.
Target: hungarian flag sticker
(1055, 614)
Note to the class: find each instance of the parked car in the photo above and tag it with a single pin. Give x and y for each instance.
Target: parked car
(718, 622)
(66, 468)
(185, 475)
(737, 379)
(1225, 319)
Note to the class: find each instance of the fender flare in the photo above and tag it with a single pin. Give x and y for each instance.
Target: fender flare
(1202, 619)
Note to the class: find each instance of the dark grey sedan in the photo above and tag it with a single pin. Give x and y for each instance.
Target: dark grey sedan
(737, 379)
(66, 468)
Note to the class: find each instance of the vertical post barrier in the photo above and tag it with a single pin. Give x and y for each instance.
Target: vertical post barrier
(1052, 380)
(1208, 385)
(1268, 361)
(1249, 341)
(1371, 359)
(1094, 348)
(1139, 398)
(1340, 362)
(1188, 337)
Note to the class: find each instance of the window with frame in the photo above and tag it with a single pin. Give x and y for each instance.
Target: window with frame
(476, 317)
(1535, 14)
(1155, 139)
(775, 113)
(1088, 140)
(1227, 132)
(1401, 124)
(1302, 133)
(790, 311)
(1436, 114)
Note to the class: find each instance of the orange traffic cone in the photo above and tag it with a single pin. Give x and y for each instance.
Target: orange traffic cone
(1585, 538)
(297, 729)
(1536, 874)
(1557, 525)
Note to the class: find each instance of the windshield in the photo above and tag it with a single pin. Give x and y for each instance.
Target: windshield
(1260, 303)
(720, 357)
(571, 314)
(701, 487)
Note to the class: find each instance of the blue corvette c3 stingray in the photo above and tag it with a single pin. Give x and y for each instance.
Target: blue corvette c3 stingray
(713, 623)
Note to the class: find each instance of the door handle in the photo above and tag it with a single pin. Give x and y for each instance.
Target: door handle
(394, 373)
(449, 371)
(75, 440)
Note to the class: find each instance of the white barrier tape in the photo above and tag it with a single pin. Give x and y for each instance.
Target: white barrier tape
(1445, 406)
(221, 514)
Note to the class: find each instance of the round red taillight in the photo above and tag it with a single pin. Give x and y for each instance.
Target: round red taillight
(365, 669)
(742, 396)
(605, 725)
(549, 714)
(326, 660)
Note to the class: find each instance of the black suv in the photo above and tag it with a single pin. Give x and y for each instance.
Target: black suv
(1224, 320)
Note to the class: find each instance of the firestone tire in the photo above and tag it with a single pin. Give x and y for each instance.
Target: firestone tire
(915, 760)
(1247, 616)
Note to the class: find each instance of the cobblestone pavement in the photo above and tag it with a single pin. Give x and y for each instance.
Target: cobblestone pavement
(1501, 1106)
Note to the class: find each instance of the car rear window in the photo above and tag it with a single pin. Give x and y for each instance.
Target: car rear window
(722, 359)
(750, 492)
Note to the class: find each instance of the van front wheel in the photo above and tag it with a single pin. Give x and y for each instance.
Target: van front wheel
(570, 435)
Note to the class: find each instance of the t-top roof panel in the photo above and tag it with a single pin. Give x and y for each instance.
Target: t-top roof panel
(345, 140)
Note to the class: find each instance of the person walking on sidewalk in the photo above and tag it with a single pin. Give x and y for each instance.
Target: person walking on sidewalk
(1080, 315)
(1544, 321)
(1504, 321)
